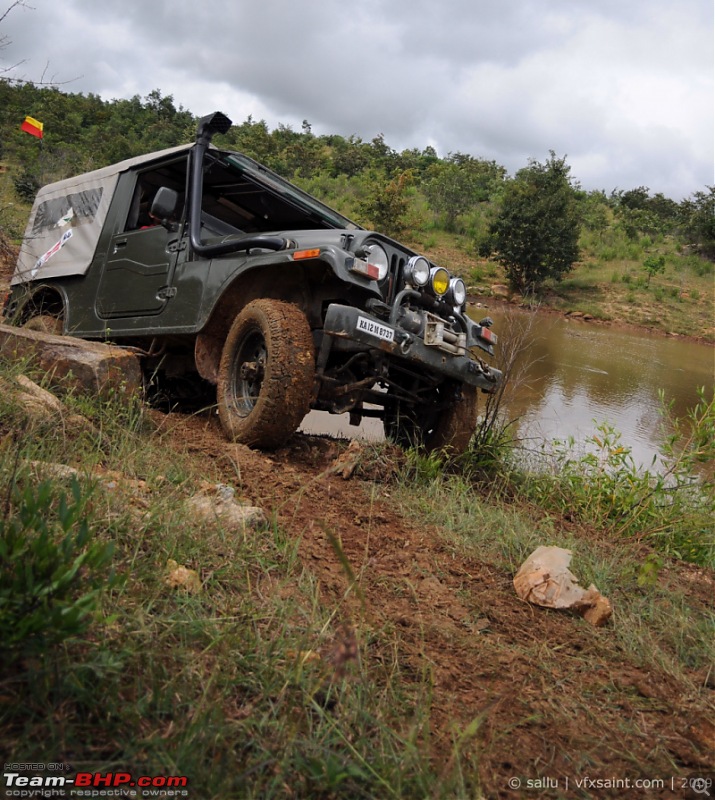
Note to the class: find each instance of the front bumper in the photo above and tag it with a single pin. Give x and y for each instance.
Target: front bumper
(346, 322)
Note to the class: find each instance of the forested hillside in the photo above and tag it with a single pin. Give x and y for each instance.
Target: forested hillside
(642, 250)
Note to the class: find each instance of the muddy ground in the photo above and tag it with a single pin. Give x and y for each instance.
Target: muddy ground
(558, 701)
(556, 697)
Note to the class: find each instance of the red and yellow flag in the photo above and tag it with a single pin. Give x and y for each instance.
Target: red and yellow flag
(32, 126)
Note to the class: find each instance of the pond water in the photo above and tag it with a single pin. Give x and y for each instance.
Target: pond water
(576, 375)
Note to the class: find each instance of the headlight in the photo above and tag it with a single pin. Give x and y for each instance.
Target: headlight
(439, 281)
(416, 271)
(457, 294)
(377, 257)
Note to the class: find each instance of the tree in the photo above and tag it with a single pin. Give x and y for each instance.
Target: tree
(458, 184)
(388, 203)
(595, 212)
(535, 235)
(4, 39)
(639, 213)
(698, 221)
(5, 72)
(653, 265)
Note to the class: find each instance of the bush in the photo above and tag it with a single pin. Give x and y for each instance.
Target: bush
(51, 573)
(535, 235)
(26, 186)
(653, 265)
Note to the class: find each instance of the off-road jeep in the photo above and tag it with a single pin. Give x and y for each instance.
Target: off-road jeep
(223, 274)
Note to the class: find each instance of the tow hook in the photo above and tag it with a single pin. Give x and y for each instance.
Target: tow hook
(405, 341)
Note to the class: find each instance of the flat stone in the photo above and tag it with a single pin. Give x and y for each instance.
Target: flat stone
(74, 364)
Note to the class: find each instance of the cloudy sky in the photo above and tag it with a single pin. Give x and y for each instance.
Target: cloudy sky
(623, 88)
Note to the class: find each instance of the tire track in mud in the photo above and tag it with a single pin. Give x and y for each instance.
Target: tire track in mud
(548, 688)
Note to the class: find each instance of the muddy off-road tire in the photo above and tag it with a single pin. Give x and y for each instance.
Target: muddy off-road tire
(449, 429)
(266, 374)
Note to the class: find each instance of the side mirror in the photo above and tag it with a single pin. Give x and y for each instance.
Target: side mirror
(164, 204)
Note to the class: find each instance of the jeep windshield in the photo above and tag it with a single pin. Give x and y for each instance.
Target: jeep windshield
(248, 196)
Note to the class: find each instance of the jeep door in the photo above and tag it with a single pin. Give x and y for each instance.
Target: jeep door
(137, 272)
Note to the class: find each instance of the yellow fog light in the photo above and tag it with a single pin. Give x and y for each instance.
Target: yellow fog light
(439, 281)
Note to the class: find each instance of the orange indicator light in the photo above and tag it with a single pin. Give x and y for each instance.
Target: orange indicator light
(306, 254)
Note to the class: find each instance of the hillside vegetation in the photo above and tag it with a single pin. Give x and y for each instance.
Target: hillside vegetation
(643, 258)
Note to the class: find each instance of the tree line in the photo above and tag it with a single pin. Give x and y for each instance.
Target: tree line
(530, 222)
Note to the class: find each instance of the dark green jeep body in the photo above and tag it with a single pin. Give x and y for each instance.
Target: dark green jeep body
(224, 275)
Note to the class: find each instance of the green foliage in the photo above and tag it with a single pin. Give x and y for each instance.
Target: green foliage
(528, 222)
(423, 467)
(535, 235)
(457, 185)
(649, 570)
(673, 507)
(653, 265)
(387, 204)
(26, 186)
(595, 212)
(636, 222)
(51, 572)
(640, 213)
(701, 267)
(698, 221)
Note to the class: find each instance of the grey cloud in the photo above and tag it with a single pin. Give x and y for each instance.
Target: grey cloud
(624, 90)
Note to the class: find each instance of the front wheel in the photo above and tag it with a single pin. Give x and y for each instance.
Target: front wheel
(266, 374)
(446, 423)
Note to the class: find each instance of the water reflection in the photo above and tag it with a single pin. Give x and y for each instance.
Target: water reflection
(577, 375)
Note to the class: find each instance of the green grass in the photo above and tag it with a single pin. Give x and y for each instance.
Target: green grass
(657, 622)
(223, 685)
(256, 686)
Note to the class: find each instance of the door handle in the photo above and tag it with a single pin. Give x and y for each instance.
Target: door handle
(119, 244)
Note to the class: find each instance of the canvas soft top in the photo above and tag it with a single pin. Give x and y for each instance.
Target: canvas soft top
(67, 218)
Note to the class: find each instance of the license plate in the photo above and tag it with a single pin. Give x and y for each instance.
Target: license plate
(375, 329)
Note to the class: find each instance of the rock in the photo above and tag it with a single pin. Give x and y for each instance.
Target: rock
(223, 508)
(39, 404)
(544, 579)
(48, 469)
(346, 463)
(500, 290)
(598, 611)
(180, 577)
(74, 364)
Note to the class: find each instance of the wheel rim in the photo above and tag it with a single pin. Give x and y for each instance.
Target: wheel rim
(249, 372)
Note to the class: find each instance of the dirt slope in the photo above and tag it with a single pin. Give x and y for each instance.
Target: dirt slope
(556, 697)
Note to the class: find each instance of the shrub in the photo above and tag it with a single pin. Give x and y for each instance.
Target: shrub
(653, 265)
(535, 235)
(51, 572)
